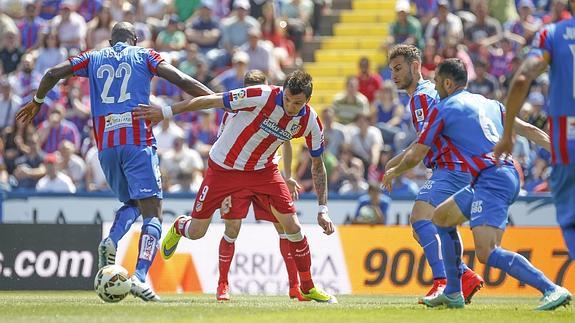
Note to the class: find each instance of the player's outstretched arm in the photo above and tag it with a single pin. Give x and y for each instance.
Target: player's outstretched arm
(49, 80)
(532, 67)
(292, 184)
(532, 133)
(413, 156)
(157, 114)
(319, 176)
(185, 82)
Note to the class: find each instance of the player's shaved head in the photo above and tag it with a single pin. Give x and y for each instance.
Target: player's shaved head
(454, 69)
(123, 32)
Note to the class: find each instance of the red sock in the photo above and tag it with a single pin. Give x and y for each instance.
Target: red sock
(181, 225)
(289, 261)
(225, 260)
(302, 258)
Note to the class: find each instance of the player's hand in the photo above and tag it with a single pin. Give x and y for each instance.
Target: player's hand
(293, 187)
(28, 112)
(387, 180)
(148, 112)
(325, 223)
(502, 149)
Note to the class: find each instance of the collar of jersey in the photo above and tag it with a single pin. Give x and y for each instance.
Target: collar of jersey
(120, 45)
(421, 83)
(280, 102)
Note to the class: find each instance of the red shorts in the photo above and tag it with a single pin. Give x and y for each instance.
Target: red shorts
(233, 191)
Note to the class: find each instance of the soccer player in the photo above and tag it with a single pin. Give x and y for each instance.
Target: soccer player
(449, 173)
(472, 125)
(554, 46)
(120, 78)
(232, 225)
(241, 164)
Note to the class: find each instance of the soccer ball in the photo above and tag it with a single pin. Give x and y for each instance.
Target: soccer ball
(112, 283)
(366, 214)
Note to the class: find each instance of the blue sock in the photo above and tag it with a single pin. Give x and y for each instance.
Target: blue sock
(429, 241)
(452, 249)
(569, 237)
(520, 268)
(123, 220)
(149, 243)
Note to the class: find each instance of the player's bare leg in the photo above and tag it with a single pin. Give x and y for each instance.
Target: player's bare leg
(302, 256)
(151, 210)
(226, 254)
(294, 288)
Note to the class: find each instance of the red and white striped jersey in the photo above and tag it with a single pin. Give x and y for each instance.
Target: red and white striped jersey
(258, 126)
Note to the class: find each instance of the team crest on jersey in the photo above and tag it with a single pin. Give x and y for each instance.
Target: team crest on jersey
(295, 128)
(199, 206)
(238, 94)
(419, 116)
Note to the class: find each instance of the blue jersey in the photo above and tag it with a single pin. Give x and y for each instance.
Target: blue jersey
(423, 99)
(559, 41)
(119, 80)
(471, 125)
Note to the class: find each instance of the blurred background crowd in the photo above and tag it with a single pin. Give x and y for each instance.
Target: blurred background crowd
(216, 42)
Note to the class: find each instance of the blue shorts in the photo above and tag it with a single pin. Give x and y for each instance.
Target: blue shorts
(442, 184)
(562, 183)
(487, 200)
(133, 172)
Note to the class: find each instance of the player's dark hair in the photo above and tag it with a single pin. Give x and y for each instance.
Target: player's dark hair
(255, 77)
(299, 82)
(409, 52)
(453, 69)
(122, 32)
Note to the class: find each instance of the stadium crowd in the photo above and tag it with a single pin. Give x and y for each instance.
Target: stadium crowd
(216, 42)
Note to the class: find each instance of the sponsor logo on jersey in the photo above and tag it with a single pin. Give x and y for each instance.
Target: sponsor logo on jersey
(273, 129)
(116, 121)
(238, 95)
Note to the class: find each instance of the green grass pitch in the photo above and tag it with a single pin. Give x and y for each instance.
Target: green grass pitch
(85, 307)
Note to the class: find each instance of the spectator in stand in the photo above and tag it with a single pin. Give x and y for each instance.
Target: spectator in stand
(31, 27)
(181, 154)
(166, 132)
(430, 60)
(387, 113)
(11, 53)
(444, 26)
(190, 64)
(9, 104)
(355, 184)
(77, 107)
(406, 29)
(95, 179)
(484, 83)
(49, 54)
(375, 172)
(25, 81)
(297, 14)
(7, 25)
(204, 29)
(4, 177)
(235, 28)
(71, 27)
(185, 8)
(537, 116)
(335, 134)
(171, 39)
(372, 207)
(153, 11)
(366, 141)
(204, 133)
(527, 24)
(55, 180)
(56, 129)
(368, 82)
(100, 28)
(259, 52)
(275, 31)
(30, 167)
(143, 32)
(483, 27)
(234, 77)
(203, 73)
(425, 10)
(558, 12)
(72, 164)
(349, 103)
(90, 8)
(403, 186)
(453, 49)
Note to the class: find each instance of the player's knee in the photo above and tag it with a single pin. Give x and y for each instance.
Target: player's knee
(232, 229)
(292, 227)
(197, 232)
(482, 253)
(439, 217)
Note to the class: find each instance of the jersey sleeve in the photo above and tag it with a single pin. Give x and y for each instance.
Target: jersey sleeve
(419, 106)
(543, 41)
(246, 99)
(314, 137)
(80, 63)
(432, 128)
(153, 58)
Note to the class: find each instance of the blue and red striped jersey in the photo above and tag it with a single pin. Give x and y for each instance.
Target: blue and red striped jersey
(119, 80)
(471, 126)
(423, 99)
(559, 41)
